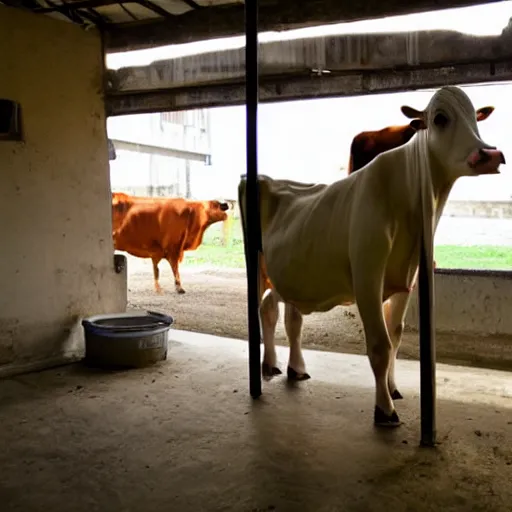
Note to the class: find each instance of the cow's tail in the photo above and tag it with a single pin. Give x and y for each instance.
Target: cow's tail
(263, 281)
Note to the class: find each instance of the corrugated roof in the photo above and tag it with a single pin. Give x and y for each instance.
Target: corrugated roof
(115, 12)
(136, 24)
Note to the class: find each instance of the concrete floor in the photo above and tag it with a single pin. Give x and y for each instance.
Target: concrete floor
(185, 436)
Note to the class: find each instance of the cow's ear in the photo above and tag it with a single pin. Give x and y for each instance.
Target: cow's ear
(484, 113)
(418, 124)
(411, 113)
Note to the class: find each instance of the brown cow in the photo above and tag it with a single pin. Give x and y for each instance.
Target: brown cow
(121, 204)
(162, 228)
(367, 145)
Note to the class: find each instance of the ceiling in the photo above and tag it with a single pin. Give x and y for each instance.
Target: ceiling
(109, 13)
(136, 24)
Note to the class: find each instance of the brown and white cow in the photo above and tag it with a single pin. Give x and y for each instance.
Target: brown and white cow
(358, 240)
(367, 145)
(162, 228)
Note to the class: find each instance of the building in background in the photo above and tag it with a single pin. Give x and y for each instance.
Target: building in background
(158, 154)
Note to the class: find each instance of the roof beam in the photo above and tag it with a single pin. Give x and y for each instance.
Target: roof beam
(151, 149)
(83, 4)
(352, 53)
(315, 67)
(300, 88)
(228, 20)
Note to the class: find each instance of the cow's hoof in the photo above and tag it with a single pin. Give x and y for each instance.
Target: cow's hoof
(381, 419)
(180, 290)
(293, 375)
(268, 371)
(396, 395)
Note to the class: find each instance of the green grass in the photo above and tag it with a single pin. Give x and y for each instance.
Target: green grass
(217, 256)
(488, 257)
(212, 253)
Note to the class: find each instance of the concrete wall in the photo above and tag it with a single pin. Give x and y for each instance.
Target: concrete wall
(470, 301)
(473, 302)
(56, 240)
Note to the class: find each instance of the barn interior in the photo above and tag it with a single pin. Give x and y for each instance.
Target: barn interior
(185, 434)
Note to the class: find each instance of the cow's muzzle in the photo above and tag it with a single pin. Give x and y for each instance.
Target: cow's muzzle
(486, 161)
(224, 206)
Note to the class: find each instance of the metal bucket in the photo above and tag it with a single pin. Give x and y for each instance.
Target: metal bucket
(126, 340)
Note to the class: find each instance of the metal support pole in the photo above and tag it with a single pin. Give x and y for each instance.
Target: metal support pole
(427, 353)
(252, 202)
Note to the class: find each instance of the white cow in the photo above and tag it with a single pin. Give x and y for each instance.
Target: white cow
(358, 239)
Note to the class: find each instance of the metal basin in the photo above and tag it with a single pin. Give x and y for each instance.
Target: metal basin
(126, 340)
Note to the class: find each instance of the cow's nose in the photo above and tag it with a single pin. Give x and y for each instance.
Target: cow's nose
(484, 157)
(488, 154)
(486, 161)
(224, 206)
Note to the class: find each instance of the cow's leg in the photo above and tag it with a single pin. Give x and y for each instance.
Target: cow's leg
(368, 292)
(394, 313)
(269, 314)
(173, 260)
(156, 275)
(293, 324)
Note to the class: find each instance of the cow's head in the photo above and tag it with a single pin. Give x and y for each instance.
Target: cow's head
(417, 122)
(453, 138)
(217, 210)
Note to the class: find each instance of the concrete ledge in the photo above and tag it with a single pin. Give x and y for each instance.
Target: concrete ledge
(473, 319)
(469, 302)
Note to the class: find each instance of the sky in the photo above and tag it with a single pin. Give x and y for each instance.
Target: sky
(310, 140)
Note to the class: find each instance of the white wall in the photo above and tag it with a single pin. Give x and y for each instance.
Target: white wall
(55, 204)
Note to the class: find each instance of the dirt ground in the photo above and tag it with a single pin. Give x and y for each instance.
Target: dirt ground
(215, 303)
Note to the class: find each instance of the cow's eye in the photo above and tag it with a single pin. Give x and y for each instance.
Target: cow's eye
(441, 120)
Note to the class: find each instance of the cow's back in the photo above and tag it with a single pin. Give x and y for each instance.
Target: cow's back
(122, 203)
(366, 146)
(316, 225)
(177, 215)
(174, 225)
(140, 230)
